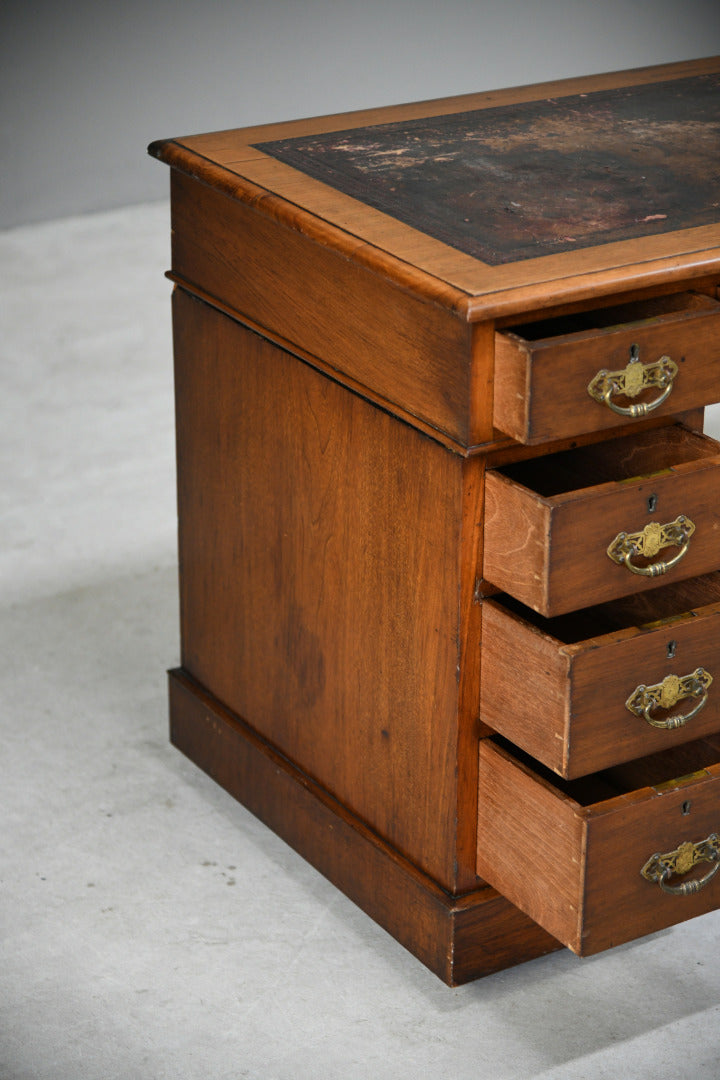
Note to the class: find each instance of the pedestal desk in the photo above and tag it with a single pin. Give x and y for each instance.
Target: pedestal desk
(449, 529)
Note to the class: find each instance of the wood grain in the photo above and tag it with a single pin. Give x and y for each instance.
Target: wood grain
(525, 686)
(320, 580)
(541, 382)
(471, 554)
(562, 699)
(351, 395)
(409, 351)
(560, 859)
(622, 836)
(549, 522)
(530, 843)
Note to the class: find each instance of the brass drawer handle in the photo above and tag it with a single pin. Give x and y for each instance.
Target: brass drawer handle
(631, 381)
(673, 688)
(647, 543)
(660, 868)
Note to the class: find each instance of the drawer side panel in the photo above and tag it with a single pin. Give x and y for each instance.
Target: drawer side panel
(530, 844)
(517, 540)
(524, 689)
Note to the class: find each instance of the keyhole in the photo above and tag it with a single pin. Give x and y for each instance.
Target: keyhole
(652, 504)
(686, 808)
(671, 647)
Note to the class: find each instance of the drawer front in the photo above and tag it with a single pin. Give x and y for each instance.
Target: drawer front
(577, 705)
(548, 388)
(551, 551)
(573, 859)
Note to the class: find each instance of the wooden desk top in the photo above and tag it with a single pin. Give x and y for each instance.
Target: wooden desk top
(497, 202)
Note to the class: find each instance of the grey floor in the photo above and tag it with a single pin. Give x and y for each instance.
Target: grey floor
(150, 927)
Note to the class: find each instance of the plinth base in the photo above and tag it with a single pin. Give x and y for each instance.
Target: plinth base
(460, 938)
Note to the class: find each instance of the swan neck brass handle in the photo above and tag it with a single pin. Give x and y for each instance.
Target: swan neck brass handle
(660, 868)
(649, 542)
(631, 381)
(645, 699)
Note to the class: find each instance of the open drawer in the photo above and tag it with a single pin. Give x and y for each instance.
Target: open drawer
(600, 369)
(586, 525)
(601, 686)
(609, 858)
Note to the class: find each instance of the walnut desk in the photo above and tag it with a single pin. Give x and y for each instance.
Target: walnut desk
(449, 529)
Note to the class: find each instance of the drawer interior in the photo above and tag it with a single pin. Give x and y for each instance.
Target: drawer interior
(640, 313)
(665, 770)
(628, 458)
(678, 600)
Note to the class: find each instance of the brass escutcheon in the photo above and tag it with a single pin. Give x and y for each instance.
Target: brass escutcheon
(660, 868)
(648, 542)
(631, 381)
(645, 699)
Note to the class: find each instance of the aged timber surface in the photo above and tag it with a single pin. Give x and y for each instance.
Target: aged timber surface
(518, 181)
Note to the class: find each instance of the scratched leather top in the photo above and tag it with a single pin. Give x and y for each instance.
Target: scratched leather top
(535, 178)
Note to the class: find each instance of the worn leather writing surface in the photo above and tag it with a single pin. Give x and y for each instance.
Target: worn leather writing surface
(517, 181)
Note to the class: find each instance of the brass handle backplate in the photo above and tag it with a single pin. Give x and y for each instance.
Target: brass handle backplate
(648, 542)
(631, 381)
(660, 868)
(645, 699)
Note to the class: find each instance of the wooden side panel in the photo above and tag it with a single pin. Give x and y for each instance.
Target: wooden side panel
(525, 690)
(553, 375)
(517, 540)
(410, 351)
(530, 843)
(319, 542)
(459, 938)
